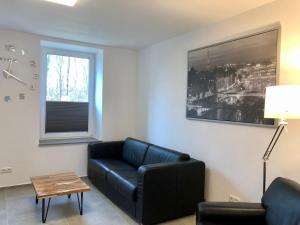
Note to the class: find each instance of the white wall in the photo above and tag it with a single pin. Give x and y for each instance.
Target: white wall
(232, 153)
(19, 120)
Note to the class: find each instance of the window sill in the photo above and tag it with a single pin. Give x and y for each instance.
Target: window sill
(65, 141)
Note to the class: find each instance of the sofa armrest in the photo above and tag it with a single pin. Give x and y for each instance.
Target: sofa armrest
(166, 190)
(234, 213)
(156, 194)
(111, 149)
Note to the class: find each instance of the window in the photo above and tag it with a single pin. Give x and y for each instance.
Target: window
(67, 94)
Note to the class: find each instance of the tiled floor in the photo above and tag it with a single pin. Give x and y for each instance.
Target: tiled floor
(17, 207)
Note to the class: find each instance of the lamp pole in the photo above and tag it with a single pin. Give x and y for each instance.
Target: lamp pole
(270, 148)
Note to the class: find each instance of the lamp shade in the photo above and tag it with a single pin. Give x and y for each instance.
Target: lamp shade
(282, 102)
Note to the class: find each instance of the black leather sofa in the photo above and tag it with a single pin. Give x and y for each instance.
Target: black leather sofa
(150, 183)
(280, 206)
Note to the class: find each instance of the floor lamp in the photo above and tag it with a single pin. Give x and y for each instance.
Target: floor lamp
(282, 102)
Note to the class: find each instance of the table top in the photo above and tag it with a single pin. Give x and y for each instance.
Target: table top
(58, 184)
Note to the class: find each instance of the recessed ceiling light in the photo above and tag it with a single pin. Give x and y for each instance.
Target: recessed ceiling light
(70, 3)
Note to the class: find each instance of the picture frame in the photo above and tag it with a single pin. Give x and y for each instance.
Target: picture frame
(227, 80)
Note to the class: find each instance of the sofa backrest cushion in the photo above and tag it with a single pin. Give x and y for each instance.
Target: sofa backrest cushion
(156, 154)
(282, 202)
(134, 152)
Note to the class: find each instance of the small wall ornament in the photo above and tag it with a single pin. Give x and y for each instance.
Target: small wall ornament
(7, 98)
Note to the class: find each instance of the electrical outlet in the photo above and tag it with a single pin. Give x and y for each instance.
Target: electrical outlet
(233, 198)
(6, 170)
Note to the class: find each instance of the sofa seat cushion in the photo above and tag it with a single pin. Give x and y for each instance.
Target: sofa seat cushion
(112, 164)
(156, 154)
(134, 152)
(125, 182)
(100, 167)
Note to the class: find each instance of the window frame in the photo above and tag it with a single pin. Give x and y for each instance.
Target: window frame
(43, 93)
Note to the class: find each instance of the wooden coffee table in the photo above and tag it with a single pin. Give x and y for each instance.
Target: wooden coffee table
(58, 185)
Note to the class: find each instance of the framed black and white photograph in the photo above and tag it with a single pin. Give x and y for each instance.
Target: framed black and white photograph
(227, 81)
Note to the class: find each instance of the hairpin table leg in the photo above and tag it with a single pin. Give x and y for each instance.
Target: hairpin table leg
(45, 212)
(80, 202)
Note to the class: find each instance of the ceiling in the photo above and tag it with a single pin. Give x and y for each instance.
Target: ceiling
(126, 23)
